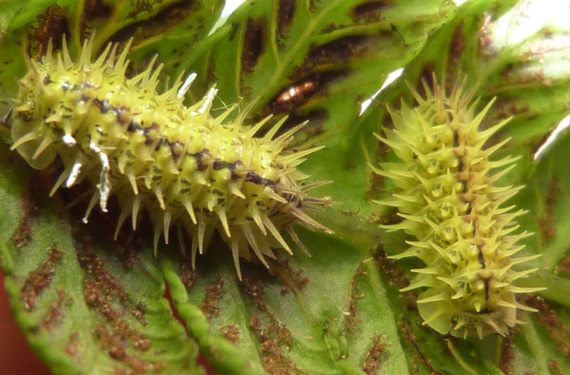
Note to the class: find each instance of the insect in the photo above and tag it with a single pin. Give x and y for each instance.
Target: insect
(186, 168)
(450, 203)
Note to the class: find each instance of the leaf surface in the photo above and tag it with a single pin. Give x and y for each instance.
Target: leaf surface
(97, 304)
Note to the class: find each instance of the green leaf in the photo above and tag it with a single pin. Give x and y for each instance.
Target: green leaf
(169, 29)
(528, 85)
(317, 61)
(338, 311)
(84, 309)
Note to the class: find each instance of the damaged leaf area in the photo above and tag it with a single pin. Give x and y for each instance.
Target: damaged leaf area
(317, 61)
(83, 309)
(147, 24)
(483, 44)
(90, 304)
(292, 318)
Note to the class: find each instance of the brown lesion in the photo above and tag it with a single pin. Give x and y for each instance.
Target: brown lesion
(275, 338)
(100, 287)
(161, 20)
(73, 346)
(505, 107)
(30, 209)
(95, 10)
(292, 280)
(41, 278)
(231, 333)
(338, 51)
(411, 341)
(254, 290)
(456, 47)
(547, 319)
(394, 274)
(51, 23)
(188, 276)
(114, 344)
(351, 320)
(285, 15)
(214, 292)
(370, 11)
(105, 296)
(545, 223)
(273, 341)
(507, 356)
(254, 44)
(55, 314)
(374, 356)
(563, 266)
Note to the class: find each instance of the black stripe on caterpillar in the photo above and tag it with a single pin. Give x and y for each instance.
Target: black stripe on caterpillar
(187, 169)
(449, 202)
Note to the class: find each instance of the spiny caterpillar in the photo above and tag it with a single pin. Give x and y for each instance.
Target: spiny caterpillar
(448, 200)
(185, 167)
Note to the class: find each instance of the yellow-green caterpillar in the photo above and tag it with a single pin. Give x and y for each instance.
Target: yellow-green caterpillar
(449, 202)
(186, 168)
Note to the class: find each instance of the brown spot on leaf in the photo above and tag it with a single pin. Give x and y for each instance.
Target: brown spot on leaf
(188, 276)
(103, 294)
(73, 345)
(296, 93)
(254, 42)
(214, 291)
(40, 279)
(115, 345)
(351, 320)
(273, 341)
(369, 11)
(285, 15)
(394, 274)
(55, 314)
(456, 49)
(545, 222)
(507, 356)
(169, 16)
(505, 107)
(231, 333)
(338, 51)
(292, 280)
(96, 9)
(254, 290)
(30, 207)
(141, 6)
(374, 355)
(546, 317)
(563, 266)
(313, 5)
(410, 340)
(553, 365)
(485, 38)
(52, 23)
(100, 286)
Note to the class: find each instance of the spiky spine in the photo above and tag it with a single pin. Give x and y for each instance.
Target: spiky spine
(185, 167)
(450, 203)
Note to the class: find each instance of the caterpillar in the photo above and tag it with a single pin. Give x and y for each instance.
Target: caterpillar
(184, 167)
(449, 203)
